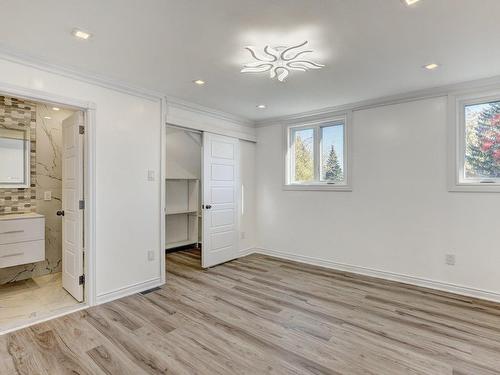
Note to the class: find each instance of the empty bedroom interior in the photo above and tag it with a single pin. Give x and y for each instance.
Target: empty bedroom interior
(250, 187)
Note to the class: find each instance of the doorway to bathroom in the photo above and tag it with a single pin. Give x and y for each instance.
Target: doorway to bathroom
(42, 208)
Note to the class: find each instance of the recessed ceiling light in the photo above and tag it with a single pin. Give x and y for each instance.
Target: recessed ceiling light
(199, 82)
(431, 66)
(56, 108)
(410, 2)
(80, 34)
(47, 117)
(262, 106)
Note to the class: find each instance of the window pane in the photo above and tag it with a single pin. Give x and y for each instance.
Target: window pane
(332, 153)
(303, 155)
(482, 140)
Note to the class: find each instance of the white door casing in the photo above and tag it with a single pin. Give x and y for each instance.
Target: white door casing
(72, 193)
(221, 185)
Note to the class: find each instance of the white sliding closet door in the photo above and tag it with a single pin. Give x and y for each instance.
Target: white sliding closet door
(221, 186)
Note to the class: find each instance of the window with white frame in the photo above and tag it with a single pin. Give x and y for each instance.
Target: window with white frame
(317, 155)
(478, 144)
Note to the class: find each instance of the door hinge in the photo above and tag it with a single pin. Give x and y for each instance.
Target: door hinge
(81, 129)
(81, 205)
(81, 280)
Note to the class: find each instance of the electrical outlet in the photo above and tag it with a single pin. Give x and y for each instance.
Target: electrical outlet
(151, 175)
(47, 195)
(242, 235)
(151, 255)
(450, 259)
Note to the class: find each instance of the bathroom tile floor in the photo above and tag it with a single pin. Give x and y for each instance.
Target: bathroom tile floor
(34, 299)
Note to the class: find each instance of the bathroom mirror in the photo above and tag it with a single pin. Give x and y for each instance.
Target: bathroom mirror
(14, 158)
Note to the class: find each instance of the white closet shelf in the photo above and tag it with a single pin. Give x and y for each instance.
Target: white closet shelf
(192, 212)
(181, 211)
(171, 245)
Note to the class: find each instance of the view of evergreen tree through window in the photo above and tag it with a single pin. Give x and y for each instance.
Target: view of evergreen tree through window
(303, 140)
(482, 137)
(332, 153)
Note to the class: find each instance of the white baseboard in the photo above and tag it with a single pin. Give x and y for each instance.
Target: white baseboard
(128, 290)
(418, 281)
(247, 251)
(140, 287)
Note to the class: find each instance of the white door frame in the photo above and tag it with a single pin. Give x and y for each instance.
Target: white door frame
(89, 109)
(163, 189)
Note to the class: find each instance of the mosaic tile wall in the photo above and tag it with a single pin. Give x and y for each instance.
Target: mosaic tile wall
(18, 114)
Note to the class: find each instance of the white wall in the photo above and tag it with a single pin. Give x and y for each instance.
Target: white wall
(399, 219)
(183, 150)
(248, 228)
(127, 145)
(205, 119)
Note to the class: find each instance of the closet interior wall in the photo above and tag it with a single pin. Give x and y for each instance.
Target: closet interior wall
(183, 187)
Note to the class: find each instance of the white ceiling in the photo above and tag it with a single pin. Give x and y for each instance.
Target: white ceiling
(372, 48)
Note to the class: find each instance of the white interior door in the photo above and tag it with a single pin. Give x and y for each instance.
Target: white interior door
(220, 199)
(72, 193)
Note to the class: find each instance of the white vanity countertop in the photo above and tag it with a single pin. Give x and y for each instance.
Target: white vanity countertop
(29, 215)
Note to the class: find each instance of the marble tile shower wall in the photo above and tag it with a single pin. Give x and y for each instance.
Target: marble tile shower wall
(18, 114)
(48, 177)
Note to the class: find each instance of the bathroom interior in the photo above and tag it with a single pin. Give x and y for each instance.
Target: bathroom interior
(31, 178)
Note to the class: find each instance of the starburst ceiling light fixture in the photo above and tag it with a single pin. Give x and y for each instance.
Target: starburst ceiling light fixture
(280, 61)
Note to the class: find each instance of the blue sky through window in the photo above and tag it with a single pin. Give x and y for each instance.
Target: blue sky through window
(333, 135)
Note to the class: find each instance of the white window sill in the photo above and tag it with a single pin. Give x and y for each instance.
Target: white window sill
(474, 187)
(318, 187)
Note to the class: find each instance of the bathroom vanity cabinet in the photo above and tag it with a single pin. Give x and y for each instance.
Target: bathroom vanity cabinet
(22, 239)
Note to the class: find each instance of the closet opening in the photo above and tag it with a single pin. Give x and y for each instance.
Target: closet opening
(183, 217)
(42, 201)
(203, 195)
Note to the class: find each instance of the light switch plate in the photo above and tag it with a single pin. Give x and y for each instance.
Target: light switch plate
(47, 195)
(151, 175)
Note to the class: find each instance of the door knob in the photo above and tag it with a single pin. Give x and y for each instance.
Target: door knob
(60, 213)
(208, 206)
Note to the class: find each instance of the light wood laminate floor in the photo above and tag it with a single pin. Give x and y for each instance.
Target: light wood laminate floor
(262, 315)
